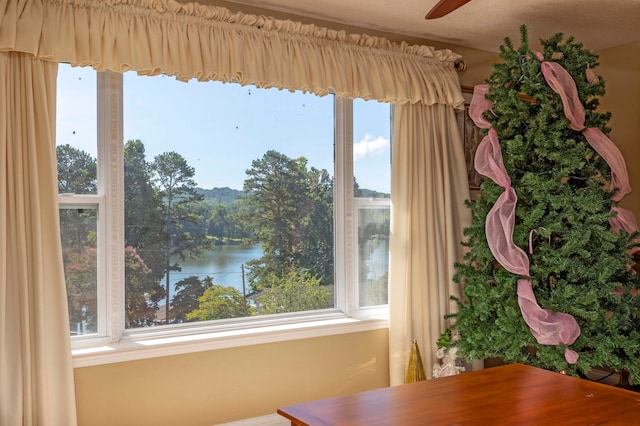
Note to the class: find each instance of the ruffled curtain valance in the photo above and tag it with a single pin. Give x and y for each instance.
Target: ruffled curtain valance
(188, 40)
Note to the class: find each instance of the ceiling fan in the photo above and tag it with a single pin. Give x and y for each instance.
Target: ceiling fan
(443, 7)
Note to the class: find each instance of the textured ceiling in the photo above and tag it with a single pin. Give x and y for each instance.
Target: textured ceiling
(482, 24)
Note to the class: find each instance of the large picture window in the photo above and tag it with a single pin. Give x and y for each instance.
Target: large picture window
(185, 203)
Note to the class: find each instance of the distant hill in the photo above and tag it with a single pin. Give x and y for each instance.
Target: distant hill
(227, 195)
(368, 193)
(224, 195)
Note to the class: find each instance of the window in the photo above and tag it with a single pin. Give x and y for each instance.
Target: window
(372, 182)
(187, 203)
(76, 151)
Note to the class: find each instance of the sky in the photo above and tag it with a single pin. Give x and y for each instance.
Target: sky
(221, 128)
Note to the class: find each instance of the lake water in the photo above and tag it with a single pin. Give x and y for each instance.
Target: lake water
(223, 263)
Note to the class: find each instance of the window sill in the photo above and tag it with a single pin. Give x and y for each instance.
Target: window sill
(142, 347)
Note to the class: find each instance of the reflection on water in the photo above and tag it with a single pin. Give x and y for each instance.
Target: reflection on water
(223, 263)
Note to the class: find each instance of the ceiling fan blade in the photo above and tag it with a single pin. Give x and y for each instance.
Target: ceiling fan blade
(444, 7)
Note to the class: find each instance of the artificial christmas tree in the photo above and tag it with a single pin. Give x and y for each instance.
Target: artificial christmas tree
(548, 277)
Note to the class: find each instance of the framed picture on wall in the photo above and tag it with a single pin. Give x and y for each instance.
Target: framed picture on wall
(471, 137)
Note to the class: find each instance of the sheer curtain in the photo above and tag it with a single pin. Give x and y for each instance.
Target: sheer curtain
(428, 188)
(188, 40)
(36, 377)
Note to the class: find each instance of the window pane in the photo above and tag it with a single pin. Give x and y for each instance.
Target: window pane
(76, 130)
(372, 183)
(372, 148)
(78, 236)
(373, 255)
(76, 151)
(228, 201)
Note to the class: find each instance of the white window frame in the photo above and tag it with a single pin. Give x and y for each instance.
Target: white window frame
(114, 343)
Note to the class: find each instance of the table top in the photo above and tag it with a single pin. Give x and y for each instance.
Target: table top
(513, 394)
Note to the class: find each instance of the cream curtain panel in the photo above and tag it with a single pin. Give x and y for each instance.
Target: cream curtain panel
(36, 377)
(428, 188)
(187, 40)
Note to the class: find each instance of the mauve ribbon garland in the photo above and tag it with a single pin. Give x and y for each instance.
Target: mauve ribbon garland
(548, 327)
(545, 325)
(563, 84)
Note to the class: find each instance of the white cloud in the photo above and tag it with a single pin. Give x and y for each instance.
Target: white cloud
(369, 147)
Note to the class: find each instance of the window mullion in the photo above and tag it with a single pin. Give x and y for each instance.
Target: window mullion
(343, 206)
(111, 184)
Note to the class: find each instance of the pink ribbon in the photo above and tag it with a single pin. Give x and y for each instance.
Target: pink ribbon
(479, 104)
(547, 327)
(624, 219)
(562, 83)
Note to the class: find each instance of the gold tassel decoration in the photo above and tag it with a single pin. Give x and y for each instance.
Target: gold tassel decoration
(415, 371)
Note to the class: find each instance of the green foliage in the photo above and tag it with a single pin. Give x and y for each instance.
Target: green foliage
(286, 206)
(220, 302)
(224, 223)
(176, 189)
(290, 210)
(142, 292)
(316, 246)
(81, 283)
(216, 196)
(293, 292)
(144, 225)
(185, 301)
(76, 171)
(578, 265)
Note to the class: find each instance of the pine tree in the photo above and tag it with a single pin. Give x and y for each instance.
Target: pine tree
(577, 264)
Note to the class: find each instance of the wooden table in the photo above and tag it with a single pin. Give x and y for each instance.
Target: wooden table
(508, 395)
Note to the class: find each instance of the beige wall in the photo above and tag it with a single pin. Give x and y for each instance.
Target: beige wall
(206, 388)
(620, 67)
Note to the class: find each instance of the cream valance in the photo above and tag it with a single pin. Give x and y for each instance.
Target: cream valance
(189, 40)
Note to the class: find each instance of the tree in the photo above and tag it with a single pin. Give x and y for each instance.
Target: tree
(76, 171)
(144, 224)
(198, 223)
(77, 175)
(144, 239)
(276, 188)
(220, 223)
(294, 292)
(291, 214)
(579, 267)
(185, 301)
(220, 302)
(142, 292)
(81, 283)
(176, 188)
(143, 233)
(317, 244)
